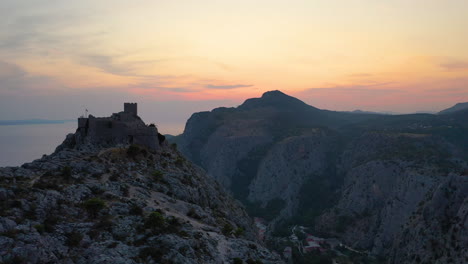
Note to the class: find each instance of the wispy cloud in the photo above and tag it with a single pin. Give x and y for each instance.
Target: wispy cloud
(108, 64)
(454, 65)
(14, 79)
(227, 87)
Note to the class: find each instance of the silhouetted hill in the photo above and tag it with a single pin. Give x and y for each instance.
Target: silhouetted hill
(455, 108)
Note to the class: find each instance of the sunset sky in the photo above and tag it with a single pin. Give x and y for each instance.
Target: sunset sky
(176, 57)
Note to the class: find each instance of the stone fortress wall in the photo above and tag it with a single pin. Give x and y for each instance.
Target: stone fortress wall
(120, 128)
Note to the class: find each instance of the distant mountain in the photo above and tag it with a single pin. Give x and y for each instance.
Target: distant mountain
(363, 178)
(358, 111)
(32, 122)
(455, 108)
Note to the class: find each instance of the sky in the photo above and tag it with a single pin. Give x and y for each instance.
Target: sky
(177, 57)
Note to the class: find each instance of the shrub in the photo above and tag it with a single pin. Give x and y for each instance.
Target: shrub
(16, 204)
(105, 223)
(193, 214)
(114, 177)
(125, 190)
(136, 210)
(73, 239)
(93, 206)
(154, 253)
(227, 229)
(66, 172)
(31, 212)
(133, 150)
(161, 138)
(50, 222)
(40, 228)
(158, 176)
(10, 233)
(239, 232)
(155, 221)
(173, 225)
(237, 261)
(251, 261)
(179, 162)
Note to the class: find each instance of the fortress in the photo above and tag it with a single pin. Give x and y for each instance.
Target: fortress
(121, 128)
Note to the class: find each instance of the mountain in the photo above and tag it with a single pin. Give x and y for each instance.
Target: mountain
(109, 201)
(455, 108)
(365, 179)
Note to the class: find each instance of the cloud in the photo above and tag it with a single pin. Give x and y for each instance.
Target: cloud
(10, 71)
(108, 64)
(227, 87)
(454, 65)
(361, 75)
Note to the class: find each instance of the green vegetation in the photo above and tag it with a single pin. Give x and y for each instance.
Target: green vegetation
(271, 210)
(248, 170)
(239, 231)
(93, 206)
(73, 239)
(343, 222)
(251, 261)
(158, 176)
(50, 222)
(154, 253)
(155, 221)
(40, 228)
(133, 150)
(136, 210)
(237, 261)
(316, 195)
(179, 162)
(193, 214)
(66, 172)
(227, 229)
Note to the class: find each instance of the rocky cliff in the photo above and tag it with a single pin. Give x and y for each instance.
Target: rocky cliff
(360, 178)
(121, 205)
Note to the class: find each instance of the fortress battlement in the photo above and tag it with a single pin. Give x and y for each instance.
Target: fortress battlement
(120, 128)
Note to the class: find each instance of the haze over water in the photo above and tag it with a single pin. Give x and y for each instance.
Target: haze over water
(25, 143)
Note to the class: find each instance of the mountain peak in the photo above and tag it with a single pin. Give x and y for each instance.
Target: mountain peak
(274, 93)
(275, 99)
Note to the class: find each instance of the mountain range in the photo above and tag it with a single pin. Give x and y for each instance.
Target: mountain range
(393, 185)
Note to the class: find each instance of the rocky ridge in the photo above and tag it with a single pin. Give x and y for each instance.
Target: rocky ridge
(121, 204)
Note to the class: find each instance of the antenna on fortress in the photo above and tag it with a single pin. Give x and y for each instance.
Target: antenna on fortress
(85, 113)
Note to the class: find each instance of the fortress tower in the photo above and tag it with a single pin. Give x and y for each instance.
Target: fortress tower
(131, 108)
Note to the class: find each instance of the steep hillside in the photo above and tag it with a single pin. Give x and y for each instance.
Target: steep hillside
(358, 177)
(125, 204)
(455, 108)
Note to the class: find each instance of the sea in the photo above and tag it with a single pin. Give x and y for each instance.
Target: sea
(24, 143)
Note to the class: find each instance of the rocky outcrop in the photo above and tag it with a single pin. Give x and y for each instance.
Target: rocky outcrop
(437, 231)
(288, 165)
(121, 205)
(387, 176)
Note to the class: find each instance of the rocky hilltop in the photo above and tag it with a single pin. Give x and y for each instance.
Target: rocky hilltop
(367, 179)
(121, 203)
